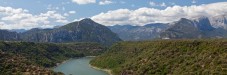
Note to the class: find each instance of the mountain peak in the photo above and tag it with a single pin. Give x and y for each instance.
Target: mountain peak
(86, 20)
(203, 23)
(219, 21)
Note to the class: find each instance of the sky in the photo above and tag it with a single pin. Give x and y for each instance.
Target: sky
(27, 14)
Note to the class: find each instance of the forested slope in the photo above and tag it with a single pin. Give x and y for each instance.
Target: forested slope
(35, 58)
(176, 57)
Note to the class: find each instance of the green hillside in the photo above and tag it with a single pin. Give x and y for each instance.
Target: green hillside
(162, 57)
(26, 58)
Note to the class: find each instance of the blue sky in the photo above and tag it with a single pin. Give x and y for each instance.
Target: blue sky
(71, 10)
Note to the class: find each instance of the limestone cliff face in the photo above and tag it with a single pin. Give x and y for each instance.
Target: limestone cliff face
(193, 29)
(138, 33)
(9, 36)
(85, 30)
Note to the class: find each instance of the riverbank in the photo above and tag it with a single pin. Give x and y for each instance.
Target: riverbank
(106, 70)
(91, 56)
(79, 66)
(57, 64)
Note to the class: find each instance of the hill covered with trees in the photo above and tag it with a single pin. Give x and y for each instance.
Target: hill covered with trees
(161, 57)
(26, 58)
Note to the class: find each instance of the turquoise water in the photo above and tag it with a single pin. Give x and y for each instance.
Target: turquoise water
(78, 66)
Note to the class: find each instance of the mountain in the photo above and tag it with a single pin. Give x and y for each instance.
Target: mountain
(7, 35)
(136, 33)
(36, 35)
(203, 24)
(165, 57)
(192, 29)
(200, 27)
(18, 30)
(219, 21)
(85, 30)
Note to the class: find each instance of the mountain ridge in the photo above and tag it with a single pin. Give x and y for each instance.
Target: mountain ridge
(193, 29)
(137, 33)
(200, 27)
(85, 30)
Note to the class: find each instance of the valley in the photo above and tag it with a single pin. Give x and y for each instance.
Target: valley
(191, 46)
(26, 58)
(113, 37)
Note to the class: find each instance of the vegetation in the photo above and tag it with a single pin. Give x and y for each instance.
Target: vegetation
(13, 64)
(28, 58)
(162, 57)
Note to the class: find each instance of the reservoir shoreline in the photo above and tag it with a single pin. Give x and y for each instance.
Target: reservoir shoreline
(80, 66)
(91, 56)
(57, 64)
(105, 70)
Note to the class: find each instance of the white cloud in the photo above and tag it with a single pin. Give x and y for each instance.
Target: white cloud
(49, 7)
(78, 19)
(72, 12)
(84, 1)
(120, 16)
(105, 2)
(62, 21)
(66, 14)
(146, 15)
(152, 3)
(157, 4)
(163, 4)
(12, 18)
(64, 3)
(193, 1)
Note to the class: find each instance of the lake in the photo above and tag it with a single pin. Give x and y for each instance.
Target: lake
(79, 66)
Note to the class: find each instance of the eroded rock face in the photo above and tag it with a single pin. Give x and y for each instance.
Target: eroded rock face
(219, 21)
(85, 30)
(9, 36)
(192, 29)
(137, 33)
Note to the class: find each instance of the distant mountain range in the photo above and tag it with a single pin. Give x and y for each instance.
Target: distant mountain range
(201, 27)
(136, 33)
(9, 36)
(219, 21)
(85, 30)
